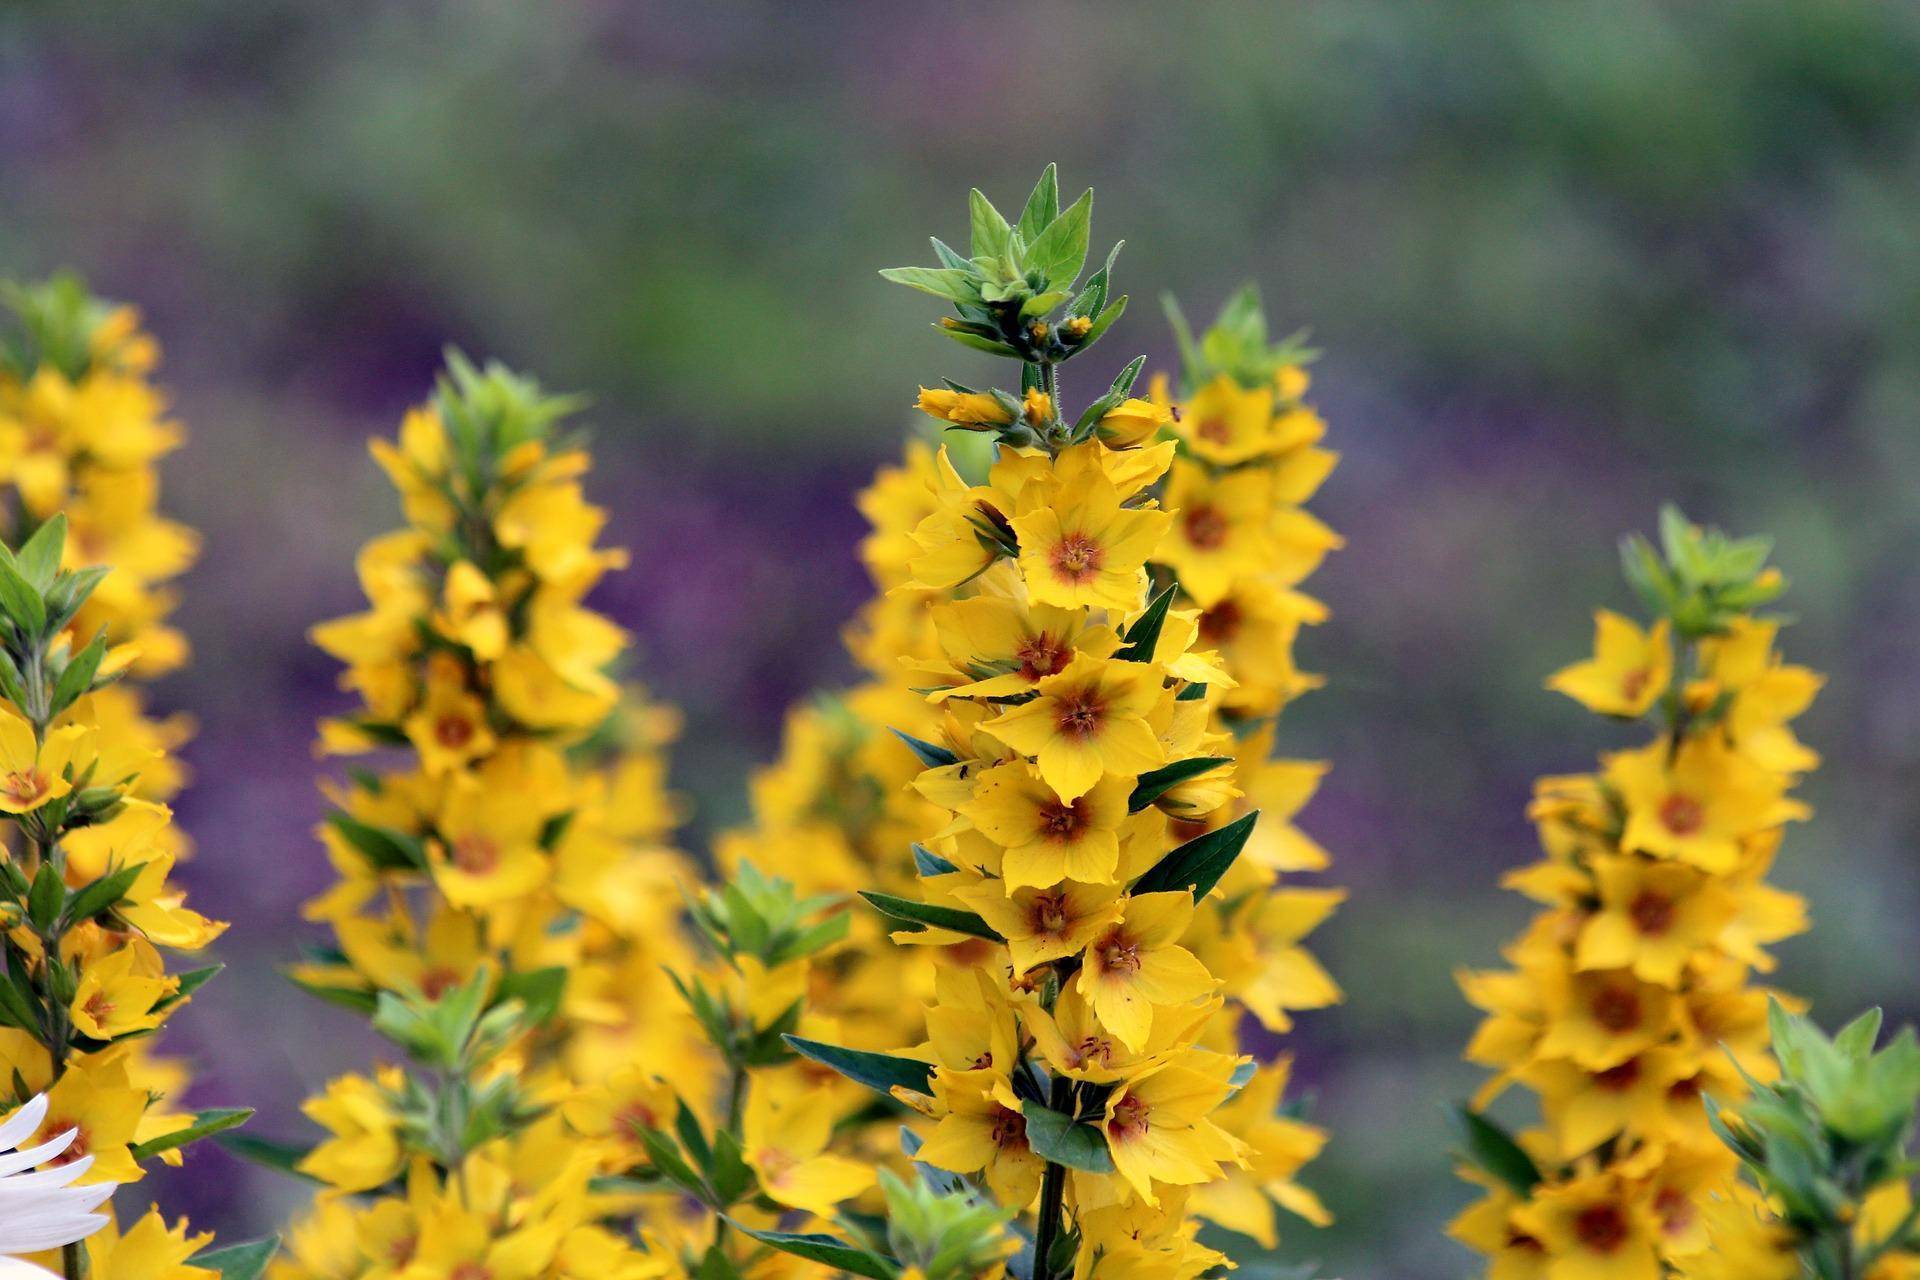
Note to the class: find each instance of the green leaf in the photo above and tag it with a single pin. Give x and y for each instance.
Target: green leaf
(928, 914)
(1151, 786)
(21, 602)
(1200, 862)
(77, 676)
(830, 1250)
(991, 236)
(1043, 206)
(283, 1156)
(205, 1125)
(978, 343)
(1491, 1148)
(1104, 321)
(928, 863)
(1144, 635)
(1857, 1038)
(239, 1261)
(39, 559)
(384, 848)
(942, 282)
(103, 893)
(931, 754)
(881, 1072)
(48, 895)
(539, 990)
(1062, 1140)
(1060, 251)
(16, 1009)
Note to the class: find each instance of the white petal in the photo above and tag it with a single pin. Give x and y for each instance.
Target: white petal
(36, 1155)
(21, 1124)
(15, 1269)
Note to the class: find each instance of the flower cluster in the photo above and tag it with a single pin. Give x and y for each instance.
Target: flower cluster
(1094, 901)
(86, 894)
(1630, 997)
(507, 902)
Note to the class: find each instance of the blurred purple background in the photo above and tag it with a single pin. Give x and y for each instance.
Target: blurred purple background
(1566, 262)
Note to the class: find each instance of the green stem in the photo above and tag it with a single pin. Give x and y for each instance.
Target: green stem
(1053, 1186)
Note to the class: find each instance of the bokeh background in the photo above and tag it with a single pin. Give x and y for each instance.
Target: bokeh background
(1566, 261)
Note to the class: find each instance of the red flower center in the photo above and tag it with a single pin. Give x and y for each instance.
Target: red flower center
(1076, 558)
(1682, 814)
(1652, 913)
(1601, 1228)
(1206, 528)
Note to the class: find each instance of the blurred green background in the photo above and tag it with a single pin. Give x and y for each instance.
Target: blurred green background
(1566, 260)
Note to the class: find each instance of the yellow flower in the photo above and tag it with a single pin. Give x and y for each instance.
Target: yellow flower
(1599, 1018)
(1598, 1227)
(1652, 918)
(622, 1107)
(1132, 423)
(1226, 424)
(1628, 671)
(96, 1099)
(1158, 1128)
(1137, 963)
(32, 772)
(786, 1136)
(1276, 1146)
(113, 999)
(972, 410)
(1085, 549)
(148, 1250)
(449, 728)
(471, 612)
(1088, 720)
(364, 1150)
(1220, 529)
(1701, 805)
(979, 1128)
(488, 853)
(999, 648)
(1044, 924)
(1048, 839)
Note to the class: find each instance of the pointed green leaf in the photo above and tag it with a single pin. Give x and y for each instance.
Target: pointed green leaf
(1060, 251)
(239, 1261)
(990, 232)
(830, 1250)
(1200, 862)
(1059, 1138)
(942, 282)
(926, 914)
(1144, 635)
(931, 754)
(1491, 1148)
(205, 1125)
(1151, 786)
(39, 559)
(1043, 206)
(266, 1152)
(881, 1072)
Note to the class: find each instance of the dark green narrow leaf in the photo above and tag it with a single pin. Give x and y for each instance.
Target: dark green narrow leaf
(205, 1125)
(931, 754)
(1144, 635)
(1490, 1147)
(1200, 862)
(385, 849)
(1151, 786)
(928, 863)
(1059, 1138)
(103, 893)
(831, 1250)
(881, 1072)
(283, 1156)
(926, 913)
(239, 1261)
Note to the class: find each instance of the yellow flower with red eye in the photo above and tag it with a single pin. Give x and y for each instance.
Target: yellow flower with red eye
(1075, 1044)
(785, 1140)
(1220, 531)
(1048, 839)
(1158, 1126)
(999, 647)
(1137, 963)
(449, 728)
(1698, 804)
(1583, 1108)
(1088, 721)
(96, 1100)
(1044, 924)
(971, 1025)
(1276, 1146)
(979, 1129)
(486, 851)
(972, 410)
(395, 955)
(33, 772)
(1629, 670)
(117, 993)
(623, 1106)
(1592, 1227)
(1226, 423)
(1653, 917)
(1599, 1018)
(1083, 549)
